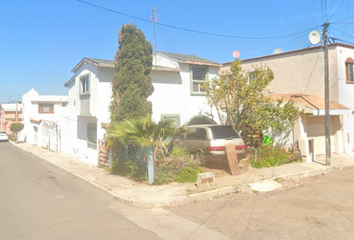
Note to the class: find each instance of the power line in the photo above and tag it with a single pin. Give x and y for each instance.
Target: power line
(331, 4)
(324, 10)
(336, 9)
(343, 23)
(313, 69)
(10, 93)
(345, 41)
(185, 29)
(168, 43)
(343, 32)
(269, 42)
(337, 22)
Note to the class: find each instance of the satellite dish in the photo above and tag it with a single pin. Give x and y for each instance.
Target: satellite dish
(278, 50)
(315, 37)
(235, 54)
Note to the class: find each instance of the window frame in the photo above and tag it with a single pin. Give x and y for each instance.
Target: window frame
(252, 77)
(349, 79)
(171, 116)
(91, 126)
(39, 108)
(81, 90)
(199, 93)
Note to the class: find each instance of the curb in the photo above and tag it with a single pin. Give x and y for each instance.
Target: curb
(195, 197)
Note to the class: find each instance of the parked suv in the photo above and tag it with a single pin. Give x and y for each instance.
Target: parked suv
(207, 140)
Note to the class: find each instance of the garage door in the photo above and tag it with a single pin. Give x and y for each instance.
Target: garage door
(316, 130)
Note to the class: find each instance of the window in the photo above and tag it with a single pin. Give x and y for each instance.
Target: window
(92, 134)
(224, 132)
(197, 133)
(174, 117)
(199, 76)
(349, 70)
(46, 108)
(85, 84)
(252, 77)
(191, 134)
(200, 133)
(64, 104)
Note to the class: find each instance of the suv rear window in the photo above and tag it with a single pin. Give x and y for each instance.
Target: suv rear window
(224, 132)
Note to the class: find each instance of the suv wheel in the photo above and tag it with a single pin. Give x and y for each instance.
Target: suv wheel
(199, 158)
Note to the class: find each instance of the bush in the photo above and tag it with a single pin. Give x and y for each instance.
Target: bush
(165, 174)
(16, 128)
(268, 156)
(188, 174)
(12, 138)
(129, 169)
(170, 172)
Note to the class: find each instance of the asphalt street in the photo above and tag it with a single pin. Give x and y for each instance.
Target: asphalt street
(40, 201)
(319, 208)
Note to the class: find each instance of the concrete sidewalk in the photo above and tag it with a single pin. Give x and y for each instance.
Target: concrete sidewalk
(146, 196)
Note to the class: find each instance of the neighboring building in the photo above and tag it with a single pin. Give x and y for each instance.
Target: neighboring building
(299, 75)
(10, 113)
(178, 94)
(42, 117)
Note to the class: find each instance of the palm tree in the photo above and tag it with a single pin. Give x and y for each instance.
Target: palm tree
(147, 134)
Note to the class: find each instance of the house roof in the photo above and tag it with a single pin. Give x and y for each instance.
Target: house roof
(179, 57)
(284, 54)
(311, 104)
(50, 98)
(94, 61)
(111, 64)
(184, 58)
(11, 107)
(70, 81)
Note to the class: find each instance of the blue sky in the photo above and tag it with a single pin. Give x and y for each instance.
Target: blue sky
(42, 40)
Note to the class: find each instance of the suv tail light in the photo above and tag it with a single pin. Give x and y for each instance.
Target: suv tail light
(215, 148)
(241, 147)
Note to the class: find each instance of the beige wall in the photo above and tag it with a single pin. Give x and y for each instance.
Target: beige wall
(299, 71)
(7, 118)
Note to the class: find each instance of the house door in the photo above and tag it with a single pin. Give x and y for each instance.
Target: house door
(53, 142)
(35, 135)
(316, 130)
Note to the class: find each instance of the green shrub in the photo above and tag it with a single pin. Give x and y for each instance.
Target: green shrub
(129, 169)
(12, 138)
(268, 156)
(188, 174)
(165, 174)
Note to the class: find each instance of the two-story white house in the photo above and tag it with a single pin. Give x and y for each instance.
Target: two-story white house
(42, 116)
(299, 76)
(178, 94)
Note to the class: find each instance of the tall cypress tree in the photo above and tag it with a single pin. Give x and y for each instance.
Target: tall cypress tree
(132, 83)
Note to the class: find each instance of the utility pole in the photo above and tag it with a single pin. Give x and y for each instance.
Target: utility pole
(154, 18)
(326, 75)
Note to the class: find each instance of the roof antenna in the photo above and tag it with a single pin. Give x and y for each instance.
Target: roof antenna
(154, 17)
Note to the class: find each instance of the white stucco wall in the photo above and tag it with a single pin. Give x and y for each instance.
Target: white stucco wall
(105, 92)
(165, 61)
(33, 118)
(346, 93)
(75, 126)
(172, 94)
